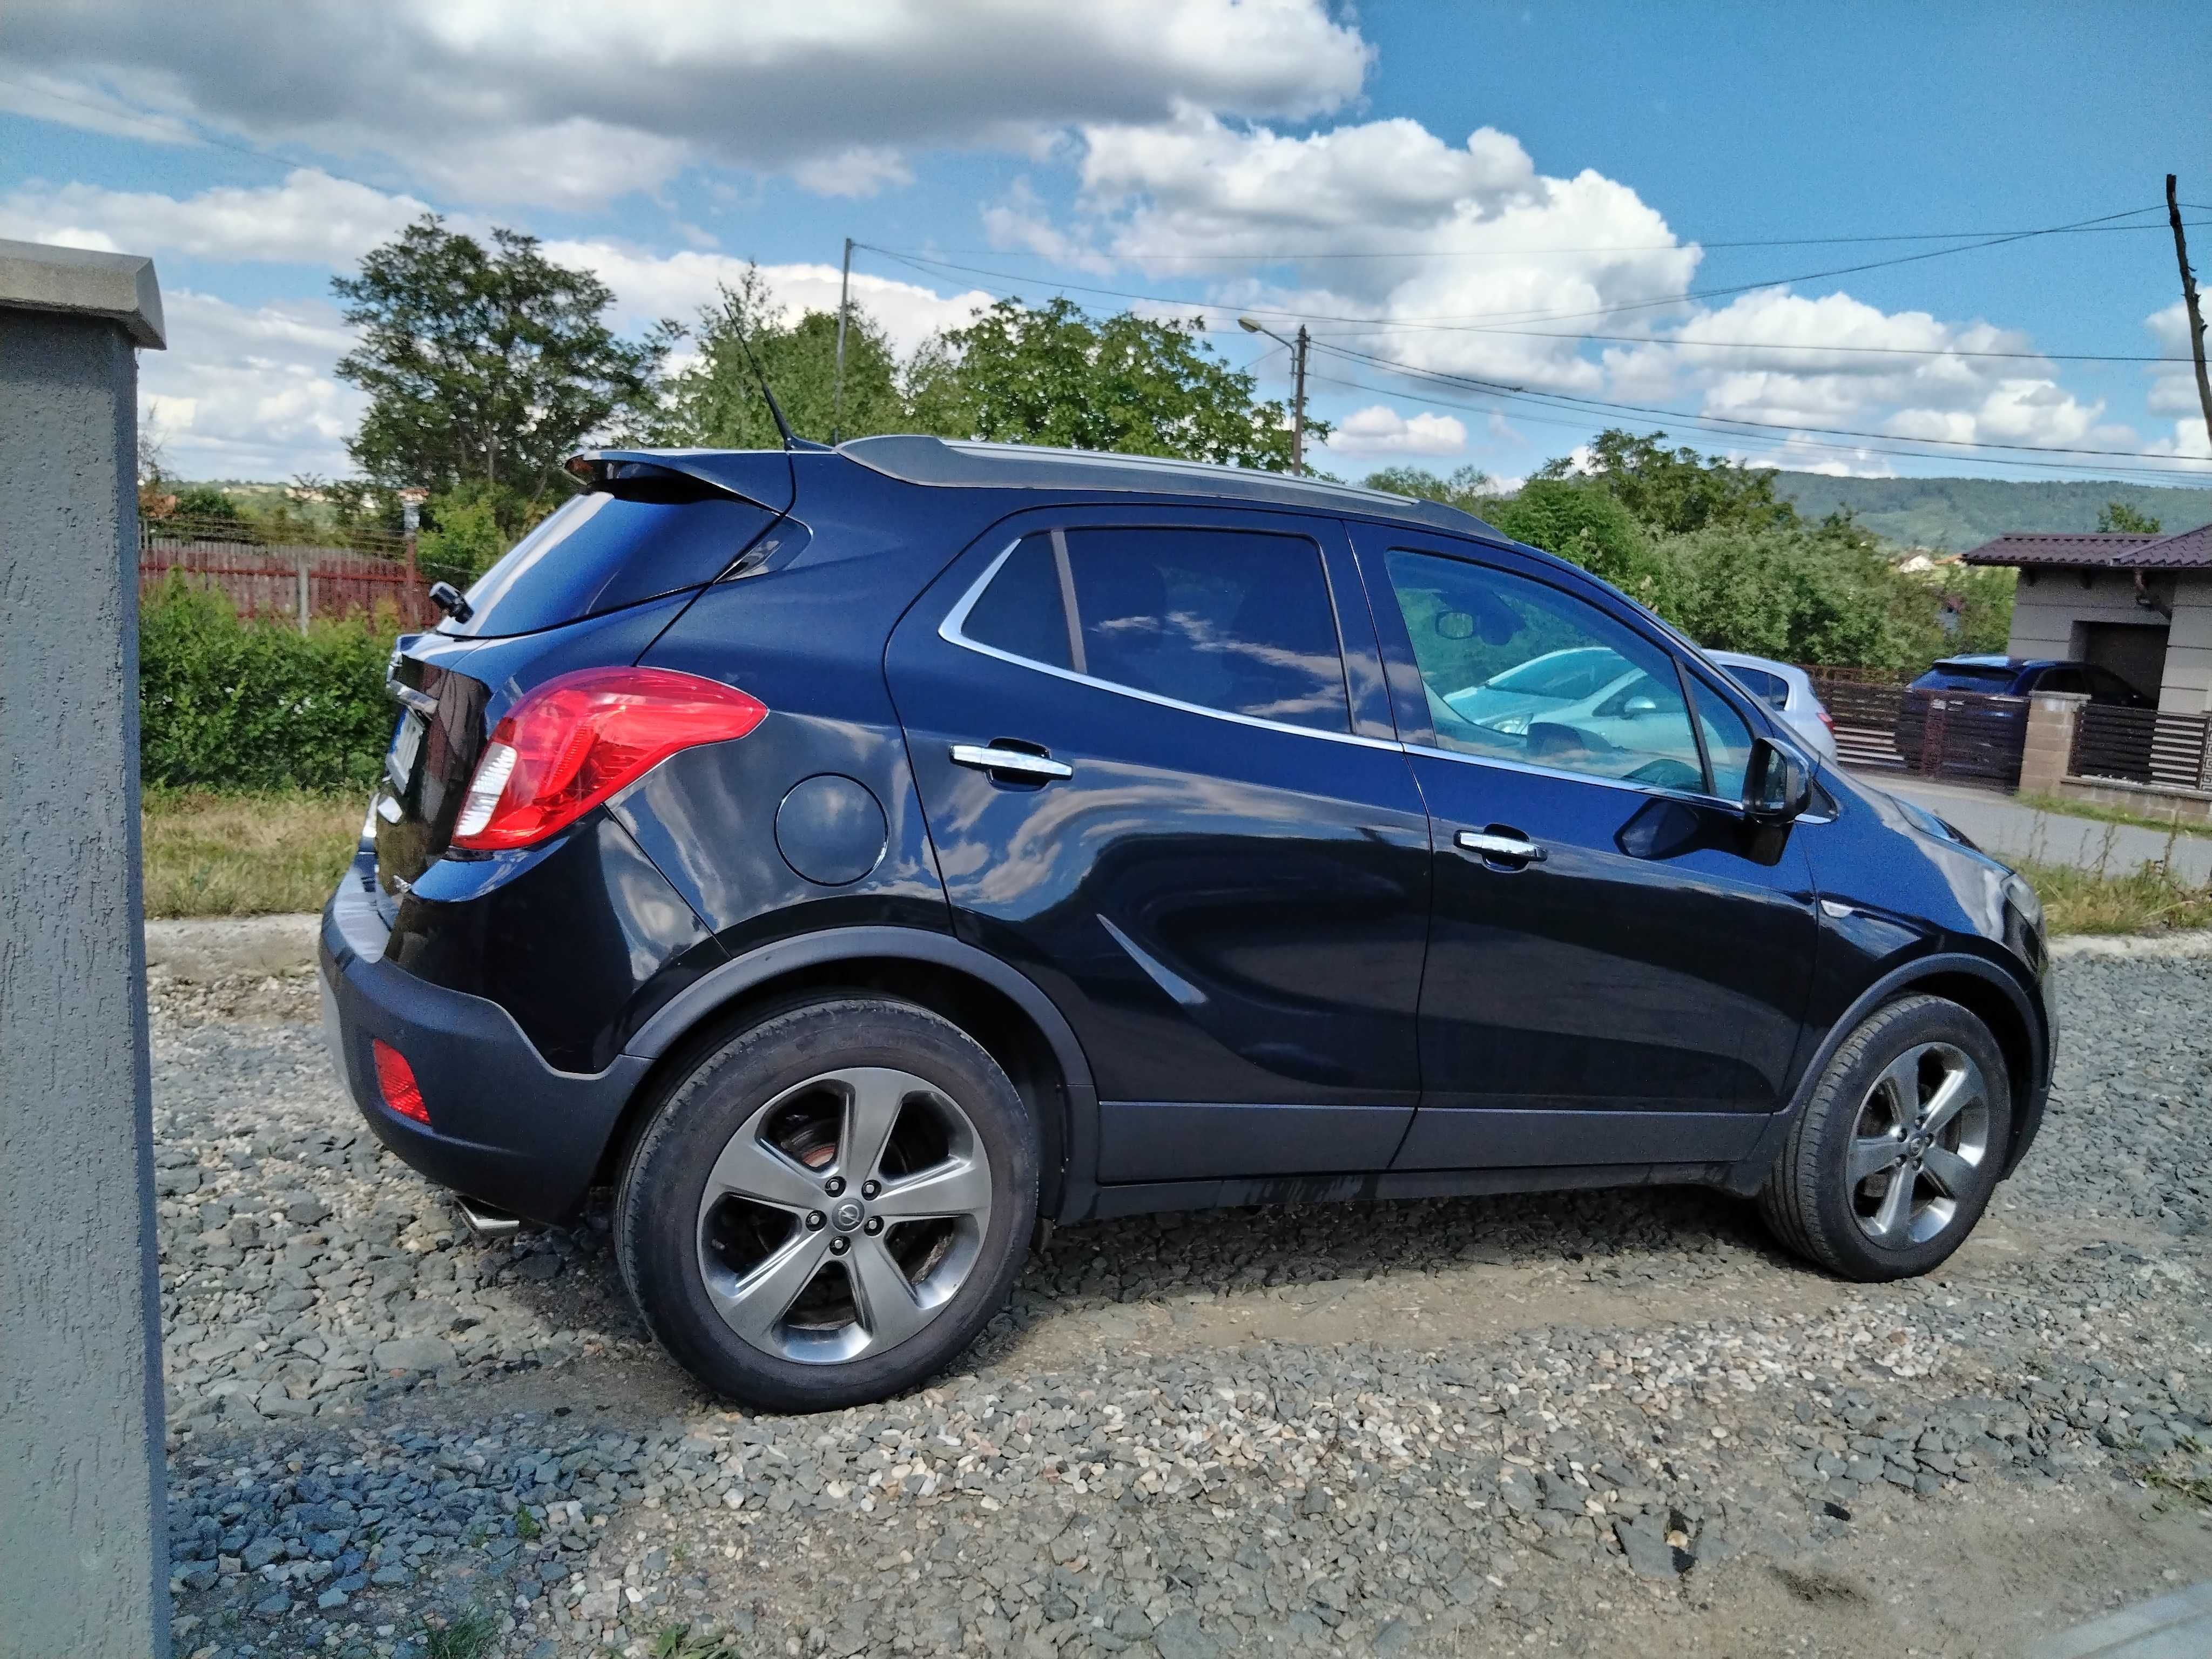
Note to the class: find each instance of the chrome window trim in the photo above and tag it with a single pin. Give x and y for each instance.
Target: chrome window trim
(951, 631)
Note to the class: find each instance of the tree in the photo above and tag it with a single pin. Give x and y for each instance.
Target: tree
(1468, 488)
(1675, 490)
(1139, 386)
(717, 400)
(1588, 526)
(490, 365)
(2119, 515)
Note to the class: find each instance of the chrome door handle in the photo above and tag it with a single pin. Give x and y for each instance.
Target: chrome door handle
(1012, 762)
(1500, 846)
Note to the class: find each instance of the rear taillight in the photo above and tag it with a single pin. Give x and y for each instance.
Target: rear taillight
(395, 1080)
(1827, 718)
(573, 741)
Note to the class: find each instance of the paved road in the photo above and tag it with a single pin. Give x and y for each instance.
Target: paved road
(2003, 824)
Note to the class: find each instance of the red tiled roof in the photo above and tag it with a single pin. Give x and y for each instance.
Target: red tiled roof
(2115, 550)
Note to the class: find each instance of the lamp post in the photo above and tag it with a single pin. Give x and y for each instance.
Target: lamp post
(1297, 350)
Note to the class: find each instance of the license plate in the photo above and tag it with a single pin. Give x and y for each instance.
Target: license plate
(406, 750)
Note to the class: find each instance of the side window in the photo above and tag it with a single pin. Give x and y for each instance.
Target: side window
(1516, 669)
(1769, 689)
(2062, 679)
(1234, 620)
(1727, 740)
(1020, 612)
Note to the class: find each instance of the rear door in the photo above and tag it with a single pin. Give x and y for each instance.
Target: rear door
(1619, 963)
(1155, 752)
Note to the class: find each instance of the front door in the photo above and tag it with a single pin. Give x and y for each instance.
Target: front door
(1154, 785)
(1618, 962)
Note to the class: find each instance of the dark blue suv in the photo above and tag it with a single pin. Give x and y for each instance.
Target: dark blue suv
(852, 858)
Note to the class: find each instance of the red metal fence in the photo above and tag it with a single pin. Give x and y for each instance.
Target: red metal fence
(2140, 745)
(290, 582)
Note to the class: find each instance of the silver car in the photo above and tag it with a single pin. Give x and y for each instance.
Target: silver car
(1784, 688)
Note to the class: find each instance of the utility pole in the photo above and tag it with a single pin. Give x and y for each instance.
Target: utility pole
(844, 305)
(1297, 350)
(2189, 304)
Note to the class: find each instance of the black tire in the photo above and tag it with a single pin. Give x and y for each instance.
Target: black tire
(666, 1241)
(1811, 1201)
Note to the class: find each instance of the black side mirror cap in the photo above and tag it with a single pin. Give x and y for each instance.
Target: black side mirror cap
(1777, 785)
(447, 599)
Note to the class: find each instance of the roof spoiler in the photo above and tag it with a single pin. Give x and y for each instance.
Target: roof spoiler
(762, 476)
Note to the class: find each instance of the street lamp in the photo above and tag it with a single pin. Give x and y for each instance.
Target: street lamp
(1297, 350)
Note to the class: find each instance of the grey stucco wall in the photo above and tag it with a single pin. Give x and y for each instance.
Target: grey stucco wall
(82, 1538)
(2044, 611)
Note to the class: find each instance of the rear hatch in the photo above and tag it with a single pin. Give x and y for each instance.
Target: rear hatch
(592, 586)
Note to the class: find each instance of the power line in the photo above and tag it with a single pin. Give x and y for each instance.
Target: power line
(1772, 345)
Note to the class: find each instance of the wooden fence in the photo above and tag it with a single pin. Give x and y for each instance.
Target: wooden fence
(2140, 745)
(1882, 725)
(291, 581)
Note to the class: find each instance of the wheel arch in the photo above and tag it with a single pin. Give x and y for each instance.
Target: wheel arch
(1985, 990)
(1002, 1009)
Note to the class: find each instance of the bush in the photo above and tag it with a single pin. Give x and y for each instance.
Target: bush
(229, 704)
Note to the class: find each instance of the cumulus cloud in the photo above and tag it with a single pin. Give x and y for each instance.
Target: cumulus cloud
(309, 219)
(246, 391)
(1380, 430)
(546, 100)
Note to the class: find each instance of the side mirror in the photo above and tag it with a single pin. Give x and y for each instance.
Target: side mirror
(1637, 707)
(1777, 785)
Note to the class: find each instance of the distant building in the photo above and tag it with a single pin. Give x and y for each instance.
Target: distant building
(2138, 605)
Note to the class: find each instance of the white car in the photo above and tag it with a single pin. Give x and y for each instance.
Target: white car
(1784, 688)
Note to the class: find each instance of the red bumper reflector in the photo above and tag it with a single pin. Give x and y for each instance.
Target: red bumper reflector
(395, 1078)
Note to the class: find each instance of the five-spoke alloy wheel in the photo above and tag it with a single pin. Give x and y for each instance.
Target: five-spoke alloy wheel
(827, 1208)
(1889, 1164)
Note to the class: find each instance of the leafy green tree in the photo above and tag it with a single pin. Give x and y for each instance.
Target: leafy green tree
(717, 400)
(1469, 488)
(486, 364)
(1676, 489)
(1588, 526)
(1141, 385)
(462, 537)
(2119, 515)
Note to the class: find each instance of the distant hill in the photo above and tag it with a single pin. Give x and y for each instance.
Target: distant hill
(1957, 514)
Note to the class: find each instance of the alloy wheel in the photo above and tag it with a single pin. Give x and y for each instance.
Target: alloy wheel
(843, 1215)
(1918, 1143)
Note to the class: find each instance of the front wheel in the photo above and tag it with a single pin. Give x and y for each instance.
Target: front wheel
(1892, 1160)
(829, 1206)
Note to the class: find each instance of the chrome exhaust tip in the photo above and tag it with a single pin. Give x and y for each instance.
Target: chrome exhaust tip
(484, 1221)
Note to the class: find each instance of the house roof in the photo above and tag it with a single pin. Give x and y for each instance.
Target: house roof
(2190, 549)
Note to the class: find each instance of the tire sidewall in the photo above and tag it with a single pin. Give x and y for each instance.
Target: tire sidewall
(1893, 1030)
(657, 1212)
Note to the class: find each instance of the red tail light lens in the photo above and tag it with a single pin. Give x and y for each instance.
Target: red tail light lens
(579, 738)
(1827, 718)
(395, 1080)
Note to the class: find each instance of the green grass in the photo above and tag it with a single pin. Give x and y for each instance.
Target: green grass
(470, 1633)
(207, 854)
(2082, 809)
(2149, 900)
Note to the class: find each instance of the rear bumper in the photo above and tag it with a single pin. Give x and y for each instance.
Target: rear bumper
(505, 1126)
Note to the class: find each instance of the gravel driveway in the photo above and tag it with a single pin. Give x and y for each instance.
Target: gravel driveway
(1594, 1423)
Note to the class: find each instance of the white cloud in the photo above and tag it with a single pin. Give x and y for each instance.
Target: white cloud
(557, 101)
(1379, 429)
(248, 391)
(309, 219)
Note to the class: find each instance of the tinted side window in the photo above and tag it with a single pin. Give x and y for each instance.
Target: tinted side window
(2060, 679)
(1771, 689)
(1234, 620)
(1020, 612)
(1516, 669)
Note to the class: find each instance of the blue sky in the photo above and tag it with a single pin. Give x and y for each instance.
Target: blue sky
(1455, 197)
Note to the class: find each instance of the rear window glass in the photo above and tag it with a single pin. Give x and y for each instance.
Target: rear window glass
(1953, 677)
(600, 551)
(1769, 689)
(1231, 620)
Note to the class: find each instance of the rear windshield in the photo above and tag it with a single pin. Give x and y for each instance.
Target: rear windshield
(602, 552)
(1964, 677)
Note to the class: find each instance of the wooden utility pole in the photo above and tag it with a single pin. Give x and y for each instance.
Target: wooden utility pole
(2189, 302)
(1299, 407)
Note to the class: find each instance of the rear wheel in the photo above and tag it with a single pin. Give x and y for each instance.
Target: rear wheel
(1892, 1160)
(827, 1208)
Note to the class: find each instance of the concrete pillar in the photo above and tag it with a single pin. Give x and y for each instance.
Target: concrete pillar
(83, 1532)
(2047, 754)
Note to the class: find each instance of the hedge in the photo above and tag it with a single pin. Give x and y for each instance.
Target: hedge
(226, 703)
